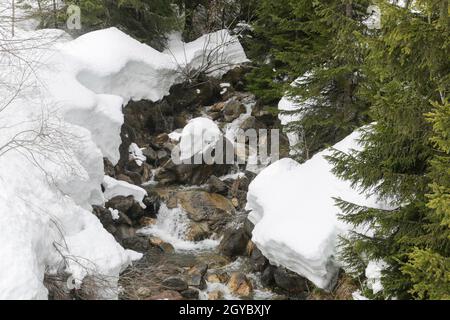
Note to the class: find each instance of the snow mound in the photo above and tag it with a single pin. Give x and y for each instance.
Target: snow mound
(74, 90)
(295, 216)
(198, 136)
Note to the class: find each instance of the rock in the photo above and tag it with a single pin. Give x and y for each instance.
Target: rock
(203, 206)
(215, 185)
(179, 121)
(147, 221)
(143, 292)
(166, 295)
(267, 278)
(136, 243)
(197, 277)
(150, 154)
(248, 227)
(250, 247)
(251, 123)
(218, 107)
(147, 173)
(239, 284)
(121, 203)
(235, 202)
(214, 115)
(190, 293)
(289, 281)
(257, 260)
(167, 247)
(175, 283)
(125, 178)
(108, 167)
(232, 110)
(215, 295)
(161, 138)
(198, 231)
(234, 242)
(222, 277)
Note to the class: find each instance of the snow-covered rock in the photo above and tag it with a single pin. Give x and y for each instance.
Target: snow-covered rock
(198, 136)
(114, 188)
(295, 216)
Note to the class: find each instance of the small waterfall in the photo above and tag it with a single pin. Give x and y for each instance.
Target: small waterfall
(172, 226)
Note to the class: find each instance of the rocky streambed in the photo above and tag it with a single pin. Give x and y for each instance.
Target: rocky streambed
(192, 227)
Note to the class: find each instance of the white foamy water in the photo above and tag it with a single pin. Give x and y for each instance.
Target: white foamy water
(172, 226)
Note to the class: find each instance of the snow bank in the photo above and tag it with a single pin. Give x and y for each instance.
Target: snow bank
(295, 216)
(74, 91)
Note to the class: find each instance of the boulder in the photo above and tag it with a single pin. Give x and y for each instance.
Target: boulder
(136, 243)
(221, 277)
(267, 278)
(234, 242)
(196, 277)
(125, 178)
(108, 167)
(198, 231)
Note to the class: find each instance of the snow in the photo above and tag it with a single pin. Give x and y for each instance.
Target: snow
(373, 274)
(136, 154)
(75, 90)
(114, 213)
(198, 136)
(114, 188)
(291, 111)
(295, 216)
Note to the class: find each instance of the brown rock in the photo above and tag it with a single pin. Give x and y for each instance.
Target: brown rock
(198, 231)
(161, 138)
(222, 277)
(125, 178)
(239, 284)
(147, 221)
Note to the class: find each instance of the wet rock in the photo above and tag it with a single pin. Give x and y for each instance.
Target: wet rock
(267, 277)
(215, 295)
(121, 203)
(204, 206)
(190, 293)
(232, 110)
(214, 115)
(166, 295)
(196, 277)
(147, 221)
(161, 244)
(234, 242)
(257, 260)
(235, 202)
(198, 231)
(215, 185)
(175, 283)
(221, 277)
(239, 284)
(136, 243)
(218, 107)
(289, 281)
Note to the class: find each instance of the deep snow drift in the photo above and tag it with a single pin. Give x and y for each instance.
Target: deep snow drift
(295, 216)
(57, 129)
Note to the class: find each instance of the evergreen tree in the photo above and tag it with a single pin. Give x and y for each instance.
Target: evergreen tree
(148, 21)
(317, 39)
(408, 69)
